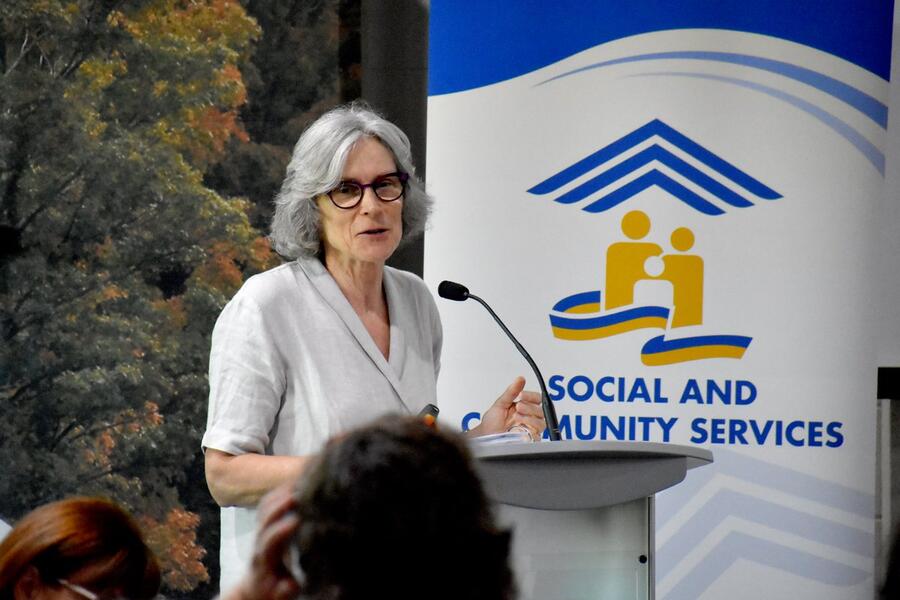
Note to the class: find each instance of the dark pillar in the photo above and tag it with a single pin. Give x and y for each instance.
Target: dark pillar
(395, 81)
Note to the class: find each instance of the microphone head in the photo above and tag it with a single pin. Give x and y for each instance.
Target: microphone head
(453, 291)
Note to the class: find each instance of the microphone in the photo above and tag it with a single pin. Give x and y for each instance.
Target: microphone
(453, 291)
(458, 293)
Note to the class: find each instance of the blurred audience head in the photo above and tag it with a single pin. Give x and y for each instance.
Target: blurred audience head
(77, 548)
(395, 510)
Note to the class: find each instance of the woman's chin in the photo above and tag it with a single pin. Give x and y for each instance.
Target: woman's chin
(375, 250)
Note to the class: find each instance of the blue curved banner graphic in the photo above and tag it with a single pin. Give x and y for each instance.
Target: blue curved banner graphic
(474, 44)
(858, 99)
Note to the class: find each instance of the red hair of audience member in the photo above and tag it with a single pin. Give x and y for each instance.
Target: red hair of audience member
(76, 548)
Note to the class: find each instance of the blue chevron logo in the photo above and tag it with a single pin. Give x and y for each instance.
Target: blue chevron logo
(655, 155)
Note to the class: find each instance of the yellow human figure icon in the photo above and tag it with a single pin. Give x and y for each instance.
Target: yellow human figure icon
(625, 261)
(685, 272)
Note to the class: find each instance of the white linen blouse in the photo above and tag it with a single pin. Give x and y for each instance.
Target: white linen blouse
(292, 364)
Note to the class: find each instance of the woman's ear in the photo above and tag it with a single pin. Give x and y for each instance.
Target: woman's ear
(28, 585)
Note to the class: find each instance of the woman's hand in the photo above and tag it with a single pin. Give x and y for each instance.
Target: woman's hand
(514, 407)
(268, 577)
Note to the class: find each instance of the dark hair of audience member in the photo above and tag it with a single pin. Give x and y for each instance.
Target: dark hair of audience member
(395, 510)
(88, 542)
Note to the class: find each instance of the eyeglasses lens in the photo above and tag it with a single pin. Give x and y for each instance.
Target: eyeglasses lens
(349, 193)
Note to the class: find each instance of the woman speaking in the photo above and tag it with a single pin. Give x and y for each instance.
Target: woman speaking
(334, 338)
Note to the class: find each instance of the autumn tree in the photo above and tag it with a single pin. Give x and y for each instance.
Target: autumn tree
(306, 61)
(116, 257)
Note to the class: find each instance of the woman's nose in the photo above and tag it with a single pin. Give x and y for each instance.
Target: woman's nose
(369, 200)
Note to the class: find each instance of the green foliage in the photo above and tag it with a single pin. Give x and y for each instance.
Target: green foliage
(115, 257)
(306, 62)
(134, 165)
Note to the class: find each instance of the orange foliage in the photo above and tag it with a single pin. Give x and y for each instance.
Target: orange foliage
(221, 271)
(127, 422)
(112, 292)
(99, 451)
(261, 251)
(174, 541)
(209, 117)
(174, 310)
(152, 415)
(106, 442)
(218, 126)
(230, 74)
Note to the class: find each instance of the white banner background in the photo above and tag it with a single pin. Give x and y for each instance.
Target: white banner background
(794, 273)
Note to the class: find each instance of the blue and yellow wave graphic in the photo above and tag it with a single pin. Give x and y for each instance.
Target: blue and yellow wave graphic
(660, 351)
(579, 317)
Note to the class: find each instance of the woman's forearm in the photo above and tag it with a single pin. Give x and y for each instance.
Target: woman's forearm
(241, 480)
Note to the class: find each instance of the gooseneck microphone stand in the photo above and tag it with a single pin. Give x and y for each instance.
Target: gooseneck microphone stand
(459, 293)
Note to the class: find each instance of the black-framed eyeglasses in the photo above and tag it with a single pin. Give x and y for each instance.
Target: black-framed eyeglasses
(387, 188)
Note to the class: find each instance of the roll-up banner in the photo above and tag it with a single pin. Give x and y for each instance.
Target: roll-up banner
(671, 204)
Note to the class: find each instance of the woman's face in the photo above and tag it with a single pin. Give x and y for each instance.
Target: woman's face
(370, 231)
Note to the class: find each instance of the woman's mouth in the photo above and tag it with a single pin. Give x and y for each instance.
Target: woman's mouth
(375, 231)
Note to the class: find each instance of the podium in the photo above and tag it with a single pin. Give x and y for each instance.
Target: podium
(582, 512)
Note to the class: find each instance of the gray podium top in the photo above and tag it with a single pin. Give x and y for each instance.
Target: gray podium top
(574, 475)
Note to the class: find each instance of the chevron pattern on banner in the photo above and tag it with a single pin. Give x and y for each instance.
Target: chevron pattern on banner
(746, 509)
(655, 155)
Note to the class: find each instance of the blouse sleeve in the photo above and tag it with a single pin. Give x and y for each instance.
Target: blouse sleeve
(246, 380)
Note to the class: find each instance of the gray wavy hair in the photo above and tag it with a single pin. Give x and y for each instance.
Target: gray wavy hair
(316, 166)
